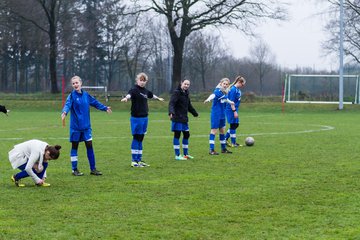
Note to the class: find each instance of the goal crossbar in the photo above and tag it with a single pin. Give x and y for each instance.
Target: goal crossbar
(99, 87)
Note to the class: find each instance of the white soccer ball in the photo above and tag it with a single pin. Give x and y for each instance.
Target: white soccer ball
(249, 141)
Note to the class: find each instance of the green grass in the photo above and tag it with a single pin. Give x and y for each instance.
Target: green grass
(299, 181)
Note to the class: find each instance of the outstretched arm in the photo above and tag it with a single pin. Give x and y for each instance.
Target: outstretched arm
(211, 97)
(158, 98)
(126, 98)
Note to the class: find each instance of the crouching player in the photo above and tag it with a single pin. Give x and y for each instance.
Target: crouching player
(32, 157)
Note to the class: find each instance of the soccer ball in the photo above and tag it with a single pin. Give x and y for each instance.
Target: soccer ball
(249, 141)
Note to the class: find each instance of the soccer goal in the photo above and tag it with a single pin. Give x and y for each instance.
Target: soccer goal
(307, 88)
(97, 91)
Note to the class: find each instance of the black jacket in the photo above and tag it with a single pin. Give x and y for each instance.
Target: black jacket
(180, 105)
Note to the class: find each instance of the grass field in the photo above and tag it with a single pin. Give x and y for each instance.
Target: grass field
(299, 181)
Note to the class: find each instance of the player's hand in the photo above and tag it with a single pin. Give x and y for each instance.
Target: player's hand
(160, 99)
(108, 110)
(63, 116)
(40, 182)
(124, 99)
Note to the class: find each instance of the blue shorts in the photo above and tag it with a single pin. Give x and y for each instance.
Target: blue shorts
(80, 136)
(138, 125)
(230, 117)
(217, 123)
(177, 126)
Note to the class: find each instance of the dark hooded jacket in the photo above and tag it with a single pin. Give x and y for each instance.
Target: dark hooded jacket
(180, 105)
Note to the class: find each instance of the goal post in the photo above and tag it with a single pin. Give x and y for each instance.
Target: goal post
(97, 91)
(317, 88)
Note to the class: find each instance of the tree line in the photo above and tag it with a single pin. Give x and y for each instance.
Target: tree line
(107, 42)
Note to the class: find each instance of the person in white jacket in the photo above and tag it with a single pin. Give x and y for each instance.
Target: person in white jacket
(32, 157)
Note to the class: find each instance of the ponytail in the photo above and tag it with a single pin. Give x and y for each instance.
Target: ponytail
(54, 151)
(238, 79)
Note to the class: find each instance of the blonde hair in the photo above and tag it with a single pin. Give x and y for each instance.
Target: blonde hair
(76, 77)
(238, 79)
(142, 76)
(224, 90)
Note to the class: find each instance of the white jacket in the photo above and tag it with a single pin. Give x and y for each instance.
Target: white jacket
(28, 152)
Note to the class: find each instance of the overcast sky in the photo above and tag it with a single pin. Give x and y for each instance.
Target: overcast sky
(296, 43)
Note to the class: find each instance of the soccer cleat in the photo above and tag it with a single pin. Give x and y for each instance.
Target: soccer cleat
(236, 145)
(95, 172)
(228, 143)
(44, 184)
(188, 157)
(180, 158)
(225, 151)
(77, 173)
(213, 152)
(17, 182)
(143, 164)
(136, 164)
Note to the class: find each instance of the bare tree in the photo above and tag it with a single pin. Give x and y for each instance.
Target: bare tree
(116, 28)
(203, 52)
(136, 52)
(263, 59)
(160, 58)
(186, 16)
(351, 29)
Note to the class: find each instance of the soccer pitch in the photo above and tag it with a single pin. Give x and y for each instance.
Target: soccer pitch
(299, 181)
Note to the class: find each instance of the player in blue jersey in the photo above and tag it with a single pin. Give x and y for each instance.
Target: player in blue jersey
(179, 106)
(218, 120)
(78, 103)
(139, 117)
(232, 117)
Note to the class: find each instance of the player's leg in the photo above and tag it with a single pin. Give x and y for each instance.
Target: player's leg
(185, 144)
(233, 127)
(214, 123)
(222, 136)
(143, 130)
(229, 118)
(75, 137)
(135, 143)
(176, 144)
(17, 177)
(91, 158)
(212, 141)
(136, 148)
(74, 158)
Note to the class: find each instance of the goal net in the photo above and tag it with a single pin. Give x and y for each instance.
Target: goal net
(299, 88)
(99, 92)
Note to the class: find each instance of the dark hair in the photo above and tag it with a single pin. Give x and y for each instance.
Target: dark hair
(54, 151)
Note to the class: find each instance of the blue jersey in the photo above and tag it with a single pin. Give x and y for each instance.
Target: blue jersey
(234, 95)
(218, 104)
(79, 106)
